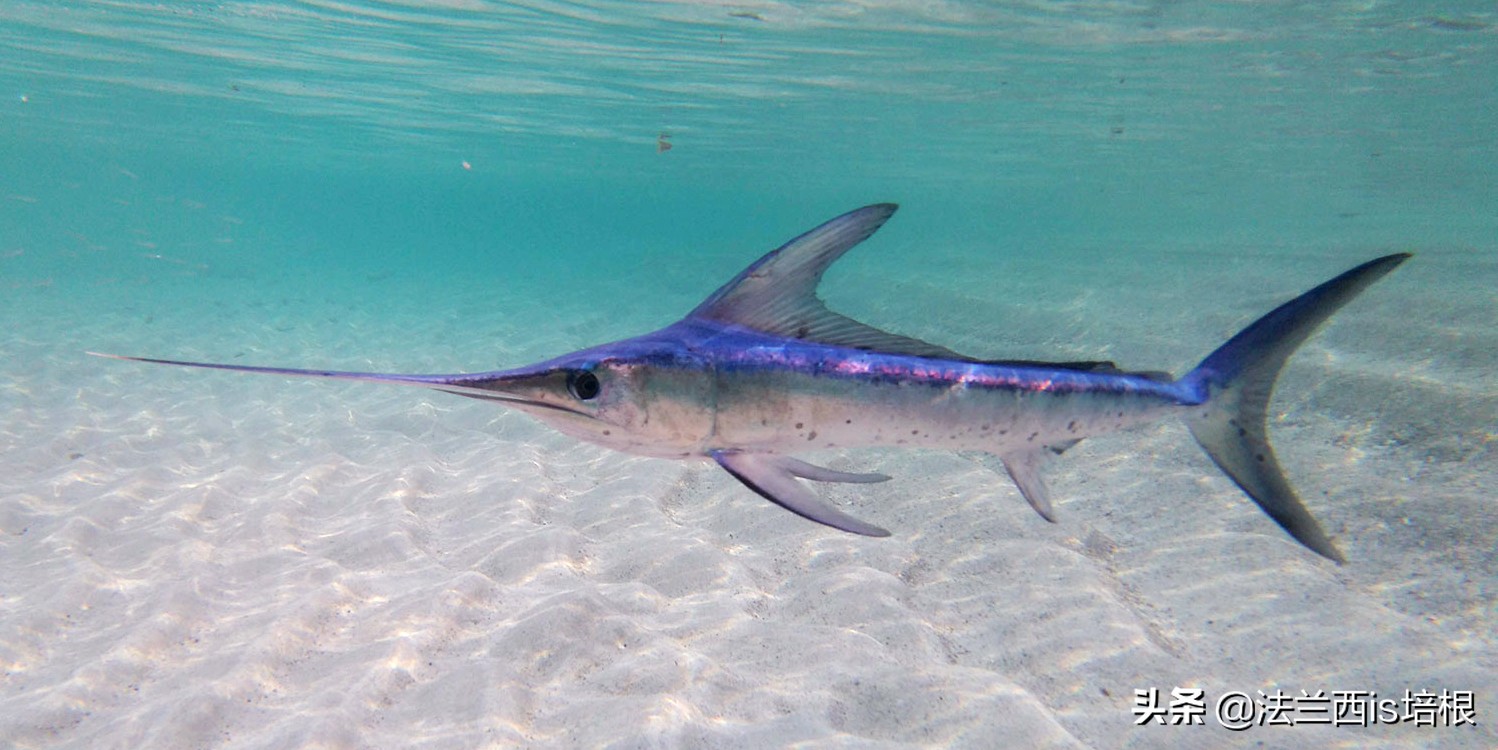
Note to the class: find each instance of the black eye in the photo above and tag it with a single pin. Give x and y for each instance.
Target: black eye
(583, 385)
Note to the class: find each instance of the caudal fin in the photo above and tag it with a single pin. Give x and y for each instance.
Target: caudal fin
(1236, 382)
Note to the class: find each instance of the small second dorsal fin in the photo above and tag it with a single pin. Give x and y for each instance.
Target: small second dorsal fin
(1099, 367)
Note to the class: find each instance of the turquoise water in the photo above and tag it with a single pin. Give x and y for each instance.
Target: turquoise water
(466, 185)
(337, 131)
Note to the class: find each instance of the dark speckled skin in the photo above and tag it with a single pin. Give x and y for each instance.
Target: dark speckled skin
(699, 386)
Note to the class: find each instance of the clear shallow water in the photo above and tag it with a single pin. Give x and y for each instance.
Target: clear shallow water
(285, 184)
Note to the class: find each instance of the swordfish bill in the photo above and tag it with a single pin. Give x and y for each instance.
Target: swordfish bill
(762, 370)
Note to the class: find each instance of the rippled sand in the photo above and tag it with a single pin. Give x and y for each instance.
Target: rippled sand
(198, 558)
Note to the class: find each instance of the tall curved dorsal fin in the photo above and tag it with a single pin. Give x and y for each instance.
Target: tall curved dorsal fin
(777, 294)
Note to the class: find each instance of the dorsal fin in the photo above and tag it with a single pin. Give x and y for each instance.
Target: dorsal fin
(777, 294)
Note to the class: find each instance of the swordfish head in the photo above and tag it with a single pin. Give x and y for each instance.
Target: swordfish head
(649, 395)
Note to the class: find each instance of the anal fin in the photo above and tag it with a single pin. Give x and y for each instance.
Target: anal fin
(774, 478)
(1024, 468)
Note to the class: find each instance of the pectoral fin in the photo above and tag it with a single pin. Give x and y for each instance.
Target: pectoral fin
(822, 474)
(774, 478)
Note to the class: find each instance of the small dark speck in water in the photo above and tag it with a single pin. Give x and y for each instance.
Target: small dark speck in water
(74, 456)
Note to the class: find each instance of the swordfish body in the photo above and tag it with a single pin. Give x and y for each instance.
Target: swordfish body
(762, 369)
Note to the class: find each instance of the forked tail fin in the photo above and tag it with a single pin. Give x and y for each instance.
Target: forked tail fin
(1236, 381)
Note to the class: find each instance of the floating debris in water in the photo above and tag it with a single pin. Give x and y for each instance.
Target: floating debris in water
(468, 166)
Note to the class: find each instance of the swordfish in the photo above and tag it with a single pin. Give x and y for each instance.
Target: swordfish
(762, 369)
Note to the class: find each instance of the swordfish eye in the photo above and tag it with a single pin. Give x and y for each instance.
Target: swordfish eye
(583, 385)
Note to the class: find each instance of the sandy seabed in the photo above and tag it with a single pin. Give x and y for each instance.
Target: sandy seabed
(205, 559)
